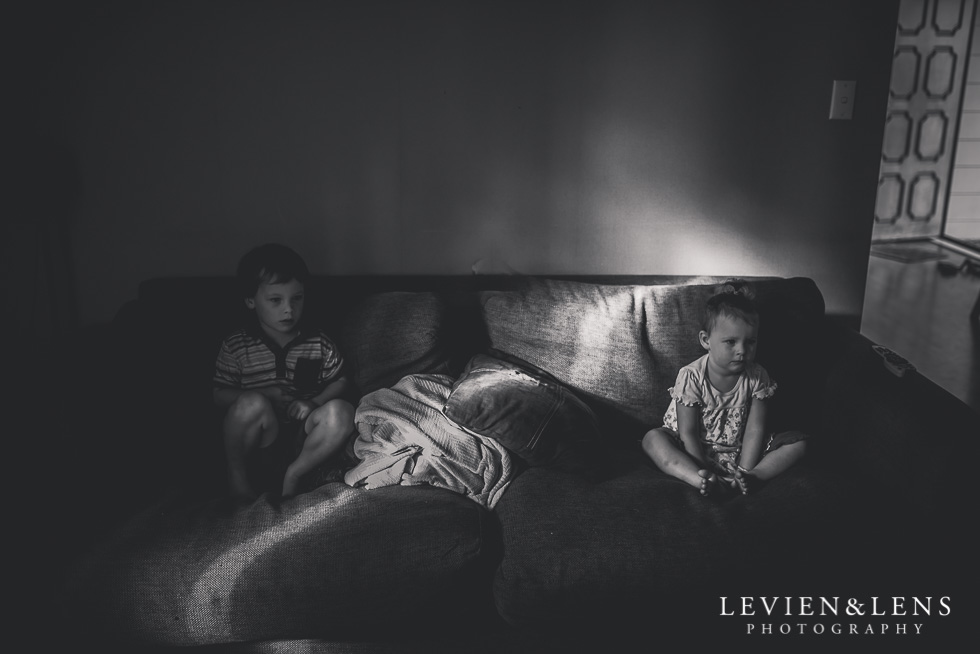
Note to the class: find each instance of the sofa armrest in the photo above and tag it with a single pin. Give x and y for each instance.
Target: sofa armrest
(136, 425)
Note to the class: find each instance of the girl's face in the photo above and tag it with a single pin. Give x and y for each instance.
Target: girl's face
(730, 345)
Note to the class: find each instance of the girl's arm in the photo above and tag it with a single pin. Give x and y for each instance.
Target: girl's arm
(754, 438)
(687, 426)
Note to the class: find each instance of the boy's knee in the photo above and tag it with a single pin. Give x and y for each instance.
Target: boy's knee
(335, 415)
(250, 406)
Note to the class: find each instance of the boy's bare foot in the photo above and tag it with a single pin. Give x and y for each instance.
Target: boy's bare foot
(709, 481)
(290, 484)
(239, 486)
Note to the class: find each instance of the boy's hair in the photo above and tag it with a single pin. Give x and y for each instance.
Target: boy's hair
(270, 263)
(735, 299)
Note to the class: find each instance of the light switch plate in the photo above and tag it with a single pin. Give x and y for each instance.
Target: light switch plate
(842, 99)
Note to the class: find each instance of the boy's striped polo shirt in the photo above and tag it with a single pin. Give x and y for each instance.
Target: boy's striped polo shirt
(249, 359)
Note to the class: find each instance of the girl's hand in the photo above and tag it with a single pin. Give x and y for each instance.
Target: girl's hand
(300, 409)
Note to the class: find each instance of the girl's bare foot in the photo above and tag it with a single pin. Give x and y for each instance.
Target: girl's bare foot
(239, 486)
(728, 485)
(290, 483)
(747, 482)
(709, 481)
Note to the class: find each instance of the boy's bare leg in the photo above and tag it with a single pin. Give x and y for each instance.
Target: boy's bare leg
(327, 429)
(660, 447)
(249, 423)
(772, 464)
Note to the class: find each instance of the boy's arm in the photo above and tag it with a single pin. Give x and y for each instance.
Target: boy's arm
(334, 389)
(301, 409)
(687, 427)
(755, 435)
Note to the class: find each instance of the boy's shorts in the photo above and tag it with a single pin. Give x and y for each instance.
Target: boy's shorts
(267, 466)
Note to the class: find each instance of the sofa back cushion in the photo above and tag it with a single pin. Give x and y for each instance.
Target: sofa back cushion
(389, 335)
(621, 346)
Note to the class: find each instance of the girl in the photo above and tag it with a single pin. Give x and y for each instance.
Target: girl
(714, 433)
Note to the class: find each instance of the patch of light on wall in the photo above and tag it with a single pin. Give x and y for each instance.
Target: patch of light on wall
(716, 250)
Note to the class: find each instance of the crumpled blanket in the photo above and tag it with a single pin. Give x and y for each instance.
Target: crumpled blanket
(404, 439)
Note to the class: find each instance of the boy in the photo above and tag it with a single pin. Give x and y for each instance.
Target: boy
(280, 382)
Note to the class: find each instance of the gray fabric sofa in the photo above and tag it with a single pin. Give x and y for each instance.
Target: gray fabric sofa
(590, 551)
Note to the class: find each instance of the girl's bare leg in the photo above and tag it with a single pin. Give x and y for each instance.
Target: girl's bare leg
(772, 464)
(327, 430)
(659, 445)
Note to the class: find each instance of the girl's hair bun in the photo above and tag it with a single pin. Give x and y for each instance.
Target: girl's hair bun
(737, 287)
(735, 297)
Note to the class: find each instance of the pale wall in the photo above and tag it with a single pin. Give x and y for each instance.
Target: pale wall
(420, 137)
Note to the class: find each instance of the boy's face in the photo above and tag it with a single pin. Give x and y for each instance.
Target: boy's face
(730, 345)
(278, 307)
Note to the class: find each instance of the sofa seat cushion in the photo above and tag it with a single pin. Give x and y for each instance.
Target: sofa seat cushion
(636, 542)
(338, 562)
